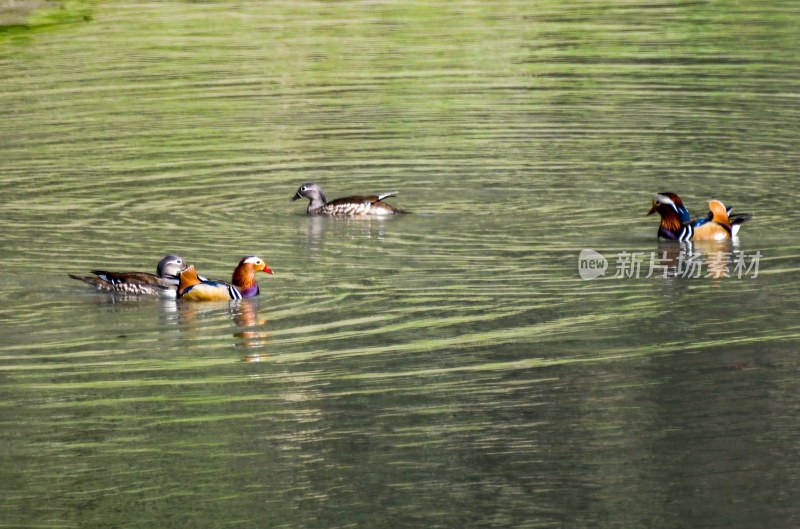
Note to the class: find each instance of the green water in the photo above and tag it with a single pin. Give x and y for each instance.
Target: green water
(447, 368)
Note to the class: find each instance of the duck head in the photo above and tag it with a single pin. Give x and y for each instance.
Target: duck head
(670, 206)
(171, 265)
(244, 276)
(313, 193)
(252, 264)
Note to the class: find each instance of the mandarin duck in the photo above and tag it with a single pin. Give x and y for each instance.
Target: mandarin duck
(355, 206)
(678, 225)
(243, 284)
(163, 282)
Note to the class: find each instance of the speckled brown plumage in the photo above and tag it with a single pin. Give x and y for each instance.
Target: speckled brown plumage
(163, 282)
(353, 206)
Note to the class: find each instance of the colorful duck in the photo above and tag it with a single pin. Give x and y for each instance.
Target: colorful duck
(678, 225)
(163, 282)
(243, 284)
(355, 206)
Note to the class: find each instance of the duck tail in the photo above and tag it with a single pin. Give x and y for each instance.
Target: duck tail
(89, 280)
(739, 218)
(381, 196)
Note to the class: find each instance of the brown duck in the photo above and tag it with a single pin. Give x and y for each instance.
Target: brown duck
(355, 206)
(163, 282)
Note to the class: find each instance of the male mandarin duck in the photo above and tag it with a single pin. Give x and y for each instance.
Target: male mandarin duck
(355, 206)
(243, 284)
(677, 224)
(163, 282)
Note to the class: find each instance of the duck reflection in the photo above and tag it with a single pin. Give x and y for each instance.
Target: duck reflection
(694, 259)
(373, 228)
(249, 330)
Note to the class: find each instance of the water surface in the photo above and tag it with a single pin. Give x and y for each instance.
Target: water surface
(447, 368)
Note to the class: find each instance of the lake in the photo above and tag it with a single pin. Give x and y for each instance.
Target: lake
(449, 368)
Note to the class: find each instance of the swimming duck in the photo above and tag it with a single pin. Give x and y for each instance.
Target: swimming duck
(355, 206)
(678, 225)
(163, 282)
(243, 284)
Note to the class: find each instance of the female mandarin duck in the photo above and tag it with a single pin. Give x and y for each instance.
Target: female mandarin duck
(355, 206)
(243, 284)
(163, 282)
(677, 224)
